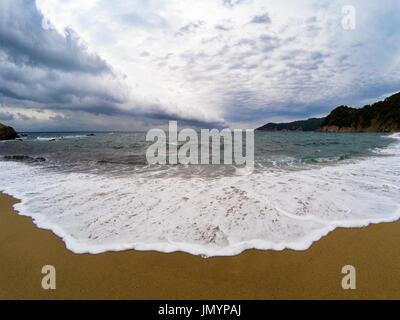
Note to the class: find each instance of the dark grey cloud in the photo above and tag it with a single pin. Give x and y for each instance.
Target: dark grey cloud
(269, 43)
(42, 69)
(48, 86)
(239, 69)
(6, 116)
(25, 117)
(189, 28)
(221, 27)
(311, 20)
(26, 42)
(247, 42)
(231, 3)
(262, 19)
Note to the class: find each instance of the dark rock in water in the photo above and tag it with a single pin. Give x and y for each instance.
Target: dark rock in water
(7, 133)
(23, 134)
(22, 157)
(90, 135)
(18, 157)
(52, 140)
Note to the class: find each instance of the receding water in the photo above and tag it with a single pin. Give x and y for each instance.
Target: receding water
(98, 193)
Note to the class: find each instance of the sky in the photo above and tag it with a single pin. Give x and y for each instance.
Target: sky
(135, 64)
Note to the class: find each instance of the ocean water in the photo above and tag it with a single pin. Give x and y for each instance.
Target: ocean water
(99, 194)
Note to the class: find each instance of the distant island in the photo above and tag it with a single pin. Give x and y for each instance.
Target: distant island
(382, 116)
(311, 124)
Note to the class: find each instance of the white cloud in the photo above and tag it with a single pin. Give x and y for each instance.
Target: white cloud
(208, 61)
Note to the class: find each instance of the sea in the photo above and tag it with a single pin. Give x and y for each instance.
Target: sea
(98, 193)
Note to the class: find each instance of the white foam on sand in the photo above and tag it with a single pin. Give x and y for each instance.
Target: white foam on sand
(275, 209)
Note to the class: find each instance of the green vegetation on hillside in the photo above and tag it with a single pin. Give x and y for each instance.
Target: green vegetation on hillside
(382, 116)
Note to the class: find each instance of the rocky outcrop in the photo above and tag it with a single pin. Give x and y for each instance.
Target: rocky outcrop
(7, 133)
(22, 157)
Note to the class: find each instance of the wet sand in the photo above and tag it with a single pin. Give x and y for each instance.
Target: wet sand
(312, 274)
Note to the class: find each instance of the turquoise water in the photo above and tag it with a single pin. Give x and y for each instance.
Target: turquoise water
(126, 151)
(293, 148)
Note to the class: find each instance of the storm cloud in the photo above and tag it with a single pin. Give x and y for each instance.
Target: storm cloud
(131, 65)
(41, 68)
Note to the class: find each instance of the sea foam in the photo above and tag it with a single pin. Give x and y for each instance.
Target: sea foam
(274, 209)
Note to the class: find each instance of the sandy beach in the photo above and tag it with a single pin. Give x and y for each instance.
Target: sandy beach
(311, 274)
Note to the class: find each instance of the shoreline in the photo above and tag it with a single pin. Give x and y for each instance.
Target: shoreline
(254, 274)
